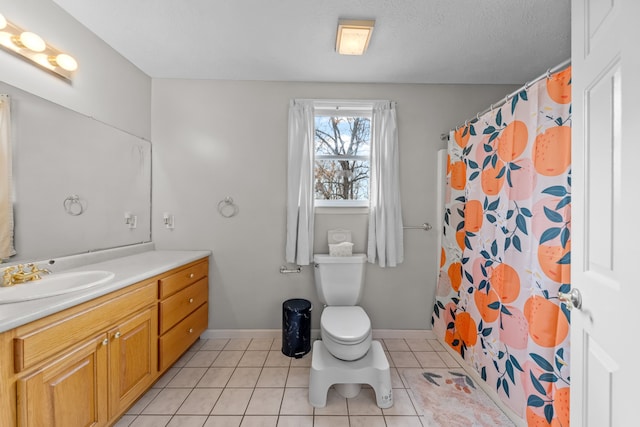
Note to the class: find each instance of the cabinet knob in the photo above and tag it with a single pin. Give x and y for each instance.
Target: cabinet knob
(190, 300)
(190, 330)
(105, 341)
(191, 276)
(117, 335)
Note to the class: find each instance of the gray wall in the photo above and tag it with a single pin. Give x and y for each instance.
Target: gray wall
(213, 139)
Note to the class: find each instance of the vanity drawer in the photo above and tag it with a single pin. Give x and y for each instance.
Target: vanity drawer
(175, 342)
(35, 343)
(181, 279)
(178, 306)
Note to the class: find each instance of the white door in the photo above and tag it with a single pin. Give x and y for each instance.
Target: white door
(605, 332)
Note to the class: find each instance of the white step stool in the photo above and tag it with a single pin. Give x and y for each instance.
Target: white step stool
(372, 369)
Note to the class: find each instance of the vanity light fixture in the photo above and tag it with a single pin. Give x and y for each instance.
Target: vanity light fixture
(353, 36)
(33, 48)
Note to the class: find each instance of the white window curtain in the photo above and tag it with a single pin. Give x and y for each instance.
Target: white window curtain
(386, 244)
(300, 218)
(6, 205)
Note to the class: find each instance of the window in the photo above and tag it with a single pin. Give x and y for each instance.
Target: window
(342, 147)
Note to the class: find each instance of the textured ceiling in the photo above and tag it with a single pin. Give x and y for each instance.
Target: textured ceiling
(414, 41)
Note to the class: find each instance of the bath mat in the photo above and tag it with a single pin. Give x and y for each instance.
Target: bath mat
(448, 397)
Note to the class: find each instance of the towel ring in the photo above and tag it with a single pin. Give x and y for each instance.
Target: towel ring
(227, 208)
(73, 205)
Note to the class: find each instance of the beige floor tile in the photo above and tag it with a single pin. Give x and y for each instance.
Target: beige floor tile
(260, 344)
(396, 344)
(437, 346)
(295, 401)
(449, 360)
(430, 359)
(125, 421)
(336, 404)
(265, 401)
(364, 403)
(259, 421)
(276, 358)
(215, 344)
(330, 421)
(232, 401)
(224, 421)
(367, 421)
(404, 359)
(302, 362)
(295, 421)
(403, 421)
(142, 403)
(402, 404)
(277, 344)
(166, 377)
(187, 421)
(389, 359)
(238, 344)
(216, 377)
(151, 421)
(255, 358)
(187, 377)
(396, 381)
(202, 359)
(200, 401)
(273, 377)
(167, 401)
(298, 377)
(228, 358)
(184, 359)
(244, 377)
(419, 344)
(196, 346)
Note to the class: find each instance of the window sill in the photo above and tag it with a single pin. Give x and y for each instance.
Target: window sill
(342, 210)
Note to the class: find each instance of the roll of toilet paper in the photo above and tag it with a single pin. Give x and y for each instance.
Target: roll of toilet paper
(341, 249)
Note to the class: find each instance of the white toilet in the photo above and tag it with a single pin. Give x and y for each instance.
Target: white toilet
(346, 357)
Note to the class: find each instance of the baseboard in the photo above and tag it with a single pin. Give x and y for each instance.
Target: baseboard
(519, 422)
(315, 333)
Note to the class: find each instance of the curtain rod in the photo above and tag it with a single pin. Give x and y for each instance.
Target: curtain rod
(550, 71)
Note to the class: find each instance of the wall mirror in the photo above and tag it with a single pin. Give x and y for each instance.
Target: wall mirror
(75, 181)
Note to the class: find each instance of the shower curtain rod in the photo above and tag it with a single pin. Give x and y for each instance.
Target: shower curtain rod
(550, 71)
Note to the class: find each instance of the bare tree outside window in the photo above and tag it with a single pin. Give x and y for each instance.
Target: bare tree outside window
(342, 152)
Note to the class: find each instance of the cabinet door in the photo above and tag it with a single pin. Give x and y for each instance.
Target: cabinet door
(133, 352)
(68, 392)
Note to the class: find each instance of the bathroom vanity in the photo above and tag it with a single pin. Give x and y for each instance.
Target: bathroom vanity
(84, 358)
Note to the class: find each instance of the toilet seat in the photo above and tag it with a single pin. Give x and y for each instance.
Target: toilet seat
(346, 331)
(348, 325)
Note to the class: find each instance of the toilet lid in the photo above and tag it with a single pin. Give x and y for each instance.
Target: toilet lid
(347, 325)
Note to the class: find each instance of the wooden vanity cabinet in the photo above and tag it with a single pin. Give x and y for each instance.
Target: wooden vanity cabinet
(71, 390)
(86, 365)
(184, 309)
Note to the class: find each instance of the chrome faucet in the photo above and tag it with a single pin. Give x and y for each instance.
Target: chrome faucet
(16, 274)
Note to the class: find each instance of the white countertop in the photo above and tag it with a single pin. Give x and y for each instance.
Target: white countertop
(128, 270)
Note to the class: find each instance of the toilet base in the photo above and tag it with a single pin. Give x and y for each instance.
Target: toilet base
(372, 369)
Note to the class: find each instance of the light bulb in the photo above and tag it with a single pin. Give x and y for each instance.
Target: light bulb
(32, 41)
(3, 22)
(66, 62)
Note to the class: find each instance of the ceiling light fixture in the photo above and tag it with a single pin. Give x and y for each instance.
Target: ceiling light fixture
(33, 48)
(353, 36)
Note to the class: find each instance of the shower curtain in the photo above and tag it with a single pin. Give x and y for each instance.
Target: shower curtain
(506, 249)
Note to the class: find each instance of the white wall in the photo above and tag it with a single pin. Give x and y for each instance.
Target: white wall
(106, 86)
(213, 139)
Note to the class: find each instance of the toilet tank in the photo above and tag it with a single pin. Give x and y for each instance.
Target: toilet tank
(339, 279)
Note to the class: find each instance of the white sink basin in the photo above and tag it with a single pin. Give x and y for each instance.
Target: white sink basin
(54, 284)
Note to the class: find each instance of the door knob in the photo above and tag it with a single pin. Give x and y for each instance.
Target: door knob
(572, 299)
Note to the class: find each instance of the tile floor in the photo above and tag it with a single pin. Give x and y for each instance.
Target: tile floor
(250, 383)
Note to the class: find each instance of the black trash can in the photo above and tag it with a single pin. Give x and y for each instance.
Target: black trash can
(296, 327)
